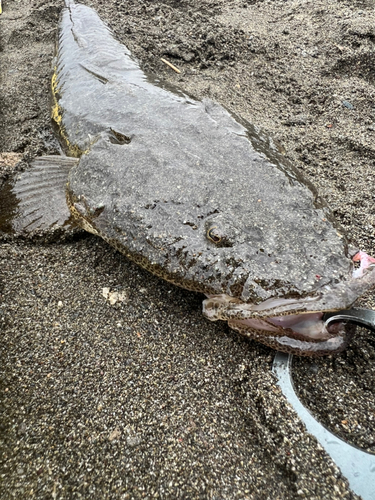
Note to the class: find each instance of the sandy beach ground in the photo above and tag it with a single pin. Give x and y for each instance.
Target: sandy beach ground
(145, 398)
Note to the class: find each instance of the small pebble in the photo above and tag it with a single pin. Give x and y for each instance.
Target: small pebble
(347, 104)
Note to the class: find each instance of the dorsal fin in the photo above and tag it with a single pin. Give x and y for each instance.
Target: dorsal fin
(35, 200)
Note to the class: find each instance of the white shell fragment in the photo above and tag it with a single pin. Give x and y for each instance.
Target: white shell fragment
(113, 297)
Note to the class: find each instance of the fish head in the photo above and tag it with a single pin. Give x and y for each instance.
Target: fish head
(296, 325)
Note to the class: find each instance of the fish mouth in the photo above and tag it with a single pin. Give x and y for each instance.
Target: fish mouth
(297, 325)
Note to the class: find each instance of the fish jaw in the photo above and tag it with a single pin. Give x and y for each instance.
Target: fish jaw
(296, 325)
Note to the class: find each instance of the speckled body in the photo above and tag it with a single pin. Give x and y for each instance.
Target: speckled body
(189, 166)
(186, 190)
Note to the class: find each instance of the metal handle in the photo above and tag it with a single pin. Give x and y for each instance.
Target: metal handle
(357, 465)
(361, 317)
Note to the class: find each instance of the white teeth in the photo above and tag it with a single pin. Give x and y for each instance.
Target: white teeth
(271, 303)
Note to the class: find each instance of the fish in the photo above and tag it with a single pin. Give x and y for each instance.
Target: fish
(191, 192)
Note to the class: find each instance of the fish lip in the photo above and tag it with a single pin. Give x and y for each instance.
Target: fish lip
(319, 330)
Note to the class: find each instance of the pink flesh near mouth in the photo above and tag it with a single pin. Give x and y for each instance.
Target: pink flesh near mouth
(365, 262)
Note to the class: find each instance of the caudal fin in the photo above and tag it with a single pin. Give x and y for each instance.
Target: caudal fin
(35, 200)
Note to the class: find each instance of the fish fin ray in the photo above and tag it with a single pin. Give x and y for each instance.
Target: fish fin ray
(35, 200)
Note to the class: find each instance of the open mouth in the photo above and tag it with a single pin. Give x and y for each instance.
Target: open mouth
(291, 325)
(303, 334)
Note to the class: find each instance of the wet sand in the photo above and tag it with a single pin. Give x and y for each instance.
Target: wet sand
(145, 398)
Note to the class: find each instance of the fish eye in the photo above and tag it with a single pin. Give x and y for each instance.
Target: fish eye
(220, 232)
(213, 235)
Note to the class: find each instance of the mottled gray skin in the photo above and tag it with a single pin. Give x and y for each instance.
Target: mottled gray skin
(185, 189)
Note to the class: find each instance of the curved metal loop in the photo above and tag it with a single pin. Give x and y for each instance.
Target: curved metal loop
(356, 465)
(361, 317)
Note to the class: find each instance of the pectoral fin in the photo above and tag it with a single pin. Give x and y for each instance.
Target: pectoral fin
(35, 200)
